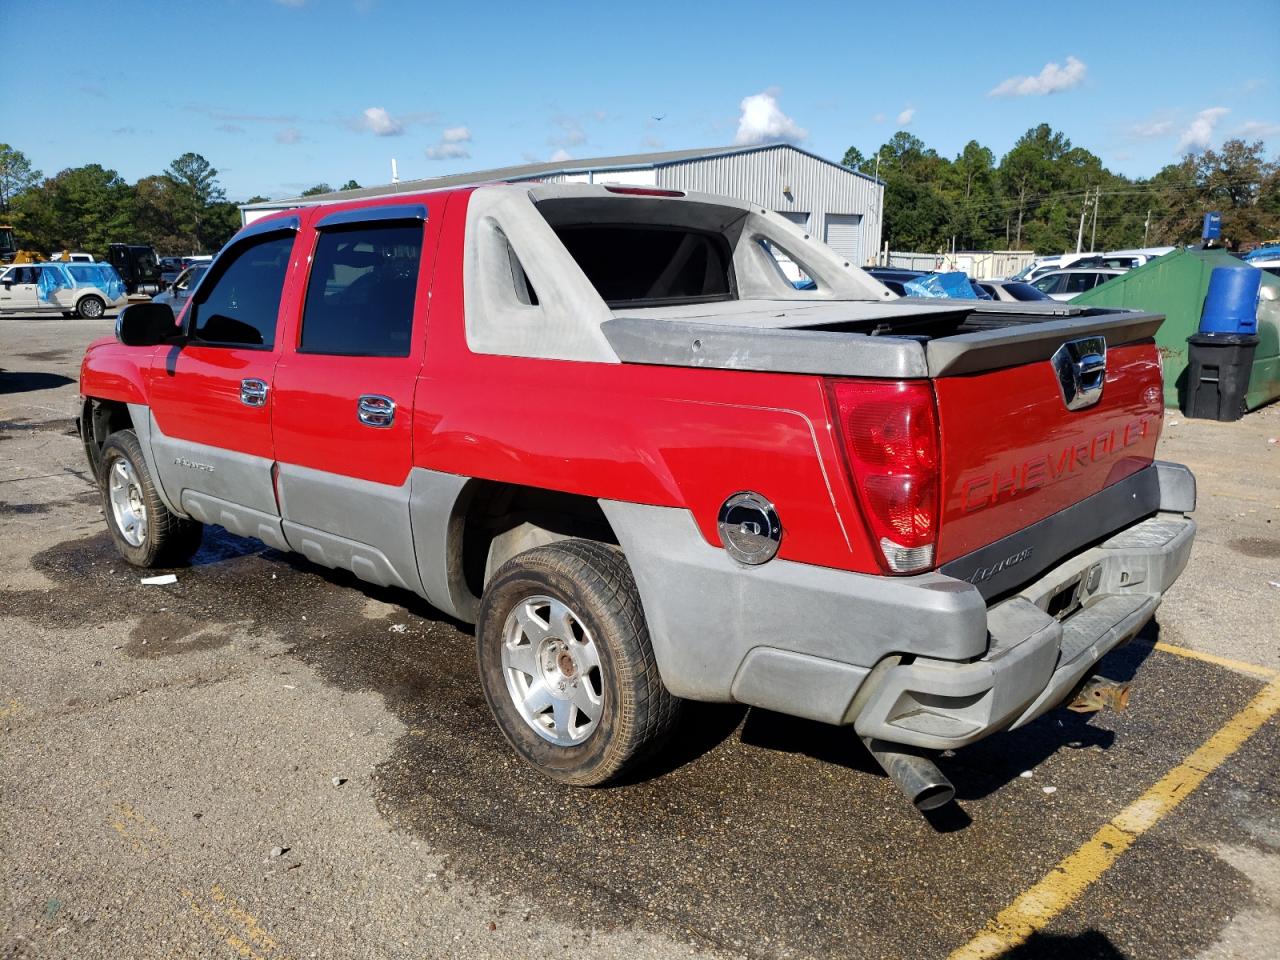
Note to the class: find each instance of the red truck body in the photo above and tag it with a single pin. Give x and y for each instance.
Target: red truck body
(891, 477)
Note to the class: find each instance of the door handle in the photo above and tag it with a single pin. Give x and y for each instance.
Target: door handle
(375, 410)
(253, 393)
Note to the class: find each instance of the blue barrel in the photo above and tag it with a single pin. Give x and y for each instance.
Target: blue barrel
(1231, 305)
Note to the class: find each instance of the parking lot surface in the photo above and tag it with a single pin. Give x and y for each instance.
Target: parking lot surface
(269, 759)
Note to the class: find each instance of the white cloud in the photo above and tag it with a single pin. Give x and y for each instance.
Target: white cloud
(454, 145)
(289, 136)
(561, 154)
(878, 118)
(1150, 129)
(380, 123)
(762, 121)
(1258, 129)
(567, 132)
(1199, 135)
(906, 116)
(1051, 79)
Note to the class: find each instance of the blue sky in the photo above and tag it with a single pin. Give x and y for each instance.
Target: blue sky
(281, 94)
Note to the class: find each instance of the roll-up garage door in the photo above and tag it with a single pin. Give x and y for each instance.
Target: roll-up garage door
(844, 235)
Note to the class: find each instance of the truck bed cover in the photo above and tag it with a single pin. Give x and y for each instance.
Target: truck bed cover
(901, 338)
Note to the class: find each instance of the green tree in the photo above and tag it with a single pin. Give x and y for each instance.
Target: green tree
(971, 187)
(198, 189)
(350, 185)
(159, 201)
(16, 175)
(319, 188)
(82, 208)
(1237, 180)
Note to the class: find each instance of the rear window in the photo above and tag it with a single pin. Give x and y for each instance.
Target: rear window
(638, 265)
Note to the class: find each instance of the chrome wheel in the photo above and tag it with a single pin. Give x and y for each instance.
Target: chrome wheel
(91, 308)
(127, 506)
(552, 668)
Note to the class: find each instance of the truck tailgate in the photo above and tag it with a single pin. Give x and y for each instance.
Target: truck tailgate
(1013, 453)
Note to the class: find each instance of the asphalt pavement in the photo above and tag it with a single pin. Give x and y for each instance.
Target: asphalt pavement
(268, 759)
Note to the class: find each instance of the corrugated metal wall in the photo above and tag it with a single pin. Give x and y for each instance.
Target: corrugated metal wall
(784, 179)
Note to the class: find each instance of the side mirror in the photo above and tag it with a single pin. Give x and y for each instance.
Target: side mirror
(146, 325)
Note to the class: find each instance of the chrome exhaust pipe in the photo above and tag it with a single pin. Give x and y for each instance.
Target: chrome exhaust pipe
(917, 777)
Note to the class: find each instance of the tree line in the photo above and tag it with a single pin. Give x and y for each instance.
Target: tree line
(1043, 195)
(181, 211)
(1035, 196)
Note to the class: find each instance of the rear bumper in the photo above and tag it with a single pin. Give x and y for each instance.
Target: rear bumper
(923, 660)
(1035, 660)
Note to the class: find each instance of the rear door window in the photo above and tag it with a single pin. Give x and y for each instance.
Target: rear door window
(360, 296)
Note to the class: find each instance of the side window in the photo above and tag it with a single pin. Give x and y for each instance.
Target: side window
(239, 304)
(1078, 282)
(361, 291)
(1049, 284)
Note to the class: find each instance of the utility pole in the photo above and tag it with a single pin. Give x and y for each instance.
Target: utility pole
(880, 205)
(1146, 228)
(1093, 240)
(1080, 232)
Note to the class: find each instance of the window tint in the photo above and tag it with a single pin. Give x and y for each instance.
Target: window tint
(360, 296)
(1049, 284)
(641, 264)
(239, 304)
(1078, 282)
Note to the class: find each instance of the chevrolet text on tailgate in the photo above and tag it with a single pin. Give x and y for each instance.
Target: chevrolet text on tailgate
(600, 424)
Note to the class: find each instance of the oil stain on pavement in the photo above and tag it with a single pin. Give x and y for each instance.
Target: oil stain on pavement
(756, 832)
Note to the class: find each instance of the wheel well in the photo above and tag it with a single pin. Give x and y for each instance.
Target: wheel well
(496, 521)
(98, 420)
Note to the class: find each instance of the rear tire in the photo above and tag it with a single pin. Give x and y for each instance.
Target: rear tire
(567, 666)
(90, 307)
(143, 529)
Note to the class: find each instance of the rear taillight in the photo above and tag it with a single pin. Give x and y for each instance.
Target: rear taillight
(890, 434)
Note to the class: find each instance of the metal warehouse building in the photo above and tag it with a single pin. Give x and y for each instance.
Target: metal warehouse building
(829, 201)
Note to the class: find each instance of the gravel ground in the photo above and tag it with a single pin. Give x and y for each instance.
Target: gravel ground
(269, 759)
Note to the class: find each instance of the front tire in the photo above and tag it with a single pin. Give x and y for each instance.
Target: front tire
(143, 529)
(567, 666)
(91, 307)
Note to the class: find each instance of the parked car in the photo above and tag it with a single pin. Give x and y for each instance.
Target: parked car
(170, 267)
(179, 291)
(85, 290)
(65, 256)
(1012, 291)
(649, 469)
(1065, 284)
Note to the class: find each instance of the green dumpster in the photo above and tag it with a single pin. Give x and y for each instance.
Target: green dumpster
(1175, 285)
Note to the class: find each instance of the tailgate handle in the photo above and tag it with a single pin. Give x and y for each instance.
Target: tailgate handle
(1081, 369)
(376, 410)
(1092, 369)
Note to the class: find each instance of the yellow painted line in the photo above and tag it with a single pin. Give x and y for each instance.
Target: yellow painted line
(1253, 668)
(1035, 907)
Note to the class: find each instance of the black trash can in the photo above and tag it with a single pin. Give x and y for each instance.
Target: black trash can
(1218, 374)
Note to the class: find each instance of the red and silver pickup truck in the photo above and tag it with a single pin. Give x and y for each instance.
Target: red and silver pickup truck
(599, 423)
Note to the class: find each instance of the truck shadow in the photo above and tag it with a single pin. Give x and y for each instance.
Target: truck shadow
(14, 381)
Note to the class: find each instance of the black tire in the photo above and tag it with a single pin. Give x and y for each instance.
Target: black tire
(637, 714)
(167, 540)
(90, 307)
